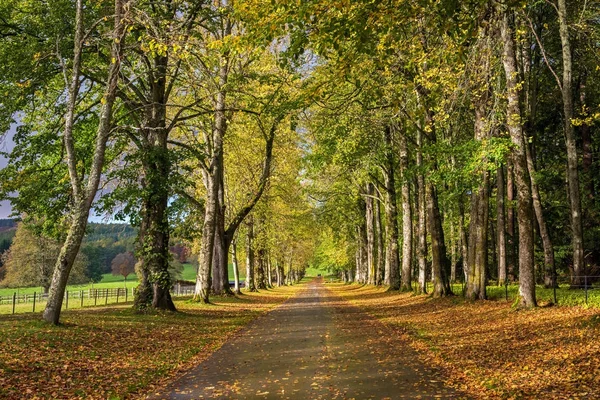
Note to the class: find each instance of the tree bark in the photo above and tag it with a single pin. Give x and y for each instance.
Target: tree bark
(478, 228)
(406, 275)
(511, 254)
(571, 144)
(84, 197)
(370, 234)
(236, 270)
(422, 220)
(549, 271)
(440, 265)
(250, 283)
(519, 159)
(380, 262)
(477, 259)
(500, 226)
(392, 267)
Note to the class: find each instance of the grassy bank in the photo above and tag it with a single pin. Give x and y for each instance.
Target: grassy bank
(488, 349)
(112, 352)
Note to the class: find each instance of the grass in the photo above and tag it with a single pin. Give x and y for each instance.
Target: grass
(564, 295)
(113, 353)
(108, 281)
(489, 350)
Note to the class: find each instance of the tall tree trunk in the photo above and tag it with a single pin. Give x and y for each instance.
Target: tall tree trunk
(549, 272)
(440, 265)
(392, 267)
(269, 275)
(478, 228)
(511, 254)
(477, 259)
(519, 158)
(453, 254)
(154, 254)
(203, 275)
(406, 275)
(260, 269)
(572, 162)
(212, 230)
(250, 283)
(83, 196)
(236, 268)
(422, 219)
(587, 149)
(380, 262)
(464, 242)
(370, 234)
(224, 235)
(500, 226)
(220, 265)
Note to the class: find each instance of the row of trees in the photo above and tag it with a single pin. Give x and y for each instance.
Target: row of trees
(193, 118)
(456, 137)
(168, 113)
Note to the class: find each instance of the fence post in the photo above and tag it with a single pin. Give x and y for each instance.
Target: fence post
(125, 295)
(81, 298)
(106, 298)
(34, 296)
(95, 297)
(14, 301)
(67, 301)
(586, 290)
(118, 290)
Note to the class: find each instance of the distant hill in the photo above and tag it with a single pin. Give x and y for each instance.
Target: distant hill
(8, 225)
(112, 232)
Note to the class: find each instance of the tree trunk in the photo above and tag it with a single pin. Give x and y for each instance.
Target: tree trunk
(269, 275)
(477, 259)
(380, 263)
(453, 255)
(370, 234)
(500, 226)
(406, 275)
(422, 220)
(511, 254)
(440, 265)
(519, 159)
(250, 283)
(478, 241)
(203, 275)
(83, 197)
(572, 162)
(549, 271)
(236, 270)
(260, 269)
(212, 232)
(220, 265)
(392, 268)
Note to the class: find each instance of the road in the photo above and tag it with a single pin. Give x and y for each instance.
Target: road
(314, 346)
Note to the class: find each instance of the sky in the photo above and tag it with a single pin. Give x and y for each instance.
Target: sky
(6, 144)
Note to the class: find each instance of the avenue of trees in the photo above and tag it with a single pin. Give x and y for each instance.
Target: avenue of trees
(394, 142)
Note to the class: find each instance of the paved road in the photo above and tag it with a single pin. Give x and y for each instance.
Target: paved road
(314, 346)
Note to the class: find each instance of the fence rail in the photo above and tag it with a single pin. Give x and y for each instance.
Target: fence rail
(583, 285)
(78, 298)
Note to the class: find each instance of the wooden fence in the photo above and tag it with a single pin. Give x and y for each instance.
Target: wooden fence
(82, 298)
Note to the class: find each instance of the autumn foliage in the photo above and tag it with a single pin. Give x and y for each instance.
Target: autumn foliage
(490, 351)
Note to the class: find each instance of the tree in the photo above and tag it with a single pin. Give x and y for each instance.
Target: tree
(123, 264)
(30, 260)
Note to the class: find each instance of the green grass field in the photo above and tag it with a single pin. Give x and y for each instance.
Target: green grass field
(108, 281)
